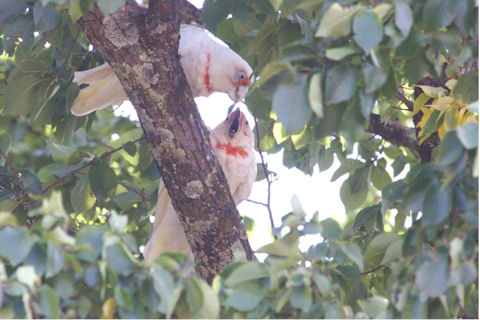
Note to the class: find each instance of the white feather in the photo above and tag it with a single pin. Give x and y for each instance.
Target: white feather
(168, 234)
(196, 47)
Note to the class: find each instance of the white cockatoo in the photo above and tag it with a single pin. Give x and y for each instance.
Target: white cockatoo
(232, 142)
(209, 66)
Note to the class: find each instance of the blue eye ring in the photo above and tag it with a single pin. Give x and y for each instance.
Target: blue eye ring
(239, 76)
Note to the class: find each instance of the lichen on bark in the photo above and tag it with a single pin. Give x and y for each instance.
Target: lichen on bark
(176, 135)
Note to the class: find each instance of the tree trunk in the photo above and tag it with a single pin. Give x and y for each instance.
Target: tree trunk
(142, 48)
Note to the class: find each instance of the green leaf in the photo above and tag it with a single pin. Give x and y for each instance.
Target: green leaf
(366, 217)
(368, 30)
(46, 17)
(463, 274)
(439, 14)
(93, 236)
(436, 205)
(109, 6)
(75, 10)
(374, 77)
(468, 135)
(398, 165)
(81, 195)
(276, 4)
(5, 144)
(330, 229)
(123, 298)
(301, 297)
(377, 248)
(336, 21)
(60, 153)
(382, 10)
(322, 284)
(92, 276)
(341, 81)
(338, 54)
(380, 178)
(195, 299)
(450, 149)
(403, 17)
(103, 180)
(432, 278)
(49, 302)
(375, 307)
(245, 296)
(55, 260)
(210, 307)
(130, 148)
(394, 251)
(315, 96)
(215, 12)
(291, 106)
(28, 276)
(119, 259)
(164, 286)
(354, 190)
(30, 181)
(354, 253)
(467, 87)
(245, 272)
(25, 92)
(367, 102)
(9, 9)
(23, 243)
(37, 258)
(282, 247)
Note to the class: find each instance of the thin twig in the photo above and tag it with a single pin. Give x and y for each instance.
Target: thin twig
(71, 48)
(142, 194)
(398, 108)
(407, 102)
(72, 173)
(373, 270)
(257, 202)
(17, 180)
(267, 176)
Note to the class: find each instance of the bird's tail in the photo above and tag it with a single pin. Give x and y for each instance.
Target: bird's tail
(103, 89)
(167, 234)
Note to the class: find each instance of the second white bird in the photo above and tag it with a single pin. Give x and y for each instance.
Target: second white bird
(233, 144)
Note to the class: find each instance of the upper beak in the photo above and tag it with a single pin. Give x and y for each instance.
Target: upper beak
(234, 123)
(238, 93)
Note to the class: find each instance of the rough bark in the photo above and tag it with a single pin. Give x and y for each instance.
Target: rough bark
(426, 148)
(141, 46)
(393, 132)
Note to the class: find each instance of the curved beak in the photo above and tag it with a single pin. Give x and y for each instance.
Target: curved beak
(234, 123)
(238, 93)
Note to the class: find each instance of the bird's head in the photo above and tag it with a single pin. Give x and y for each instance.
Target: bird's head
(230, 73)
(242, 79)
(236, 130)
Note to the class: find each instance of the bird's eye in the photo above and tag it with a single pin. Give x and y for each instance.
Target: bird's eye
(246, 123)
(239, 76)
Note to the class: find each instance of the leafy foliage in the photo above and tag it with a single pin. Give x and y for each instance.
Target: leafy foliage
(409, 246)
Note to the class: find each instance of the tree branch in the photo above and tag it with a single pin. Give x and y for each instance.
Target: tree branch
(73, 172)
(142, 49)
(407, 102)
(394, 133)
(267, 177)
(142, 194)
(17, 180)
(189, 12)
(372, 270)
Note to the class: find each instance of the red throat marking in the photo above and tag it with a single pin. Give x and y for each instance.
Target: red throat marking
(206, 76)
(231, 150)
